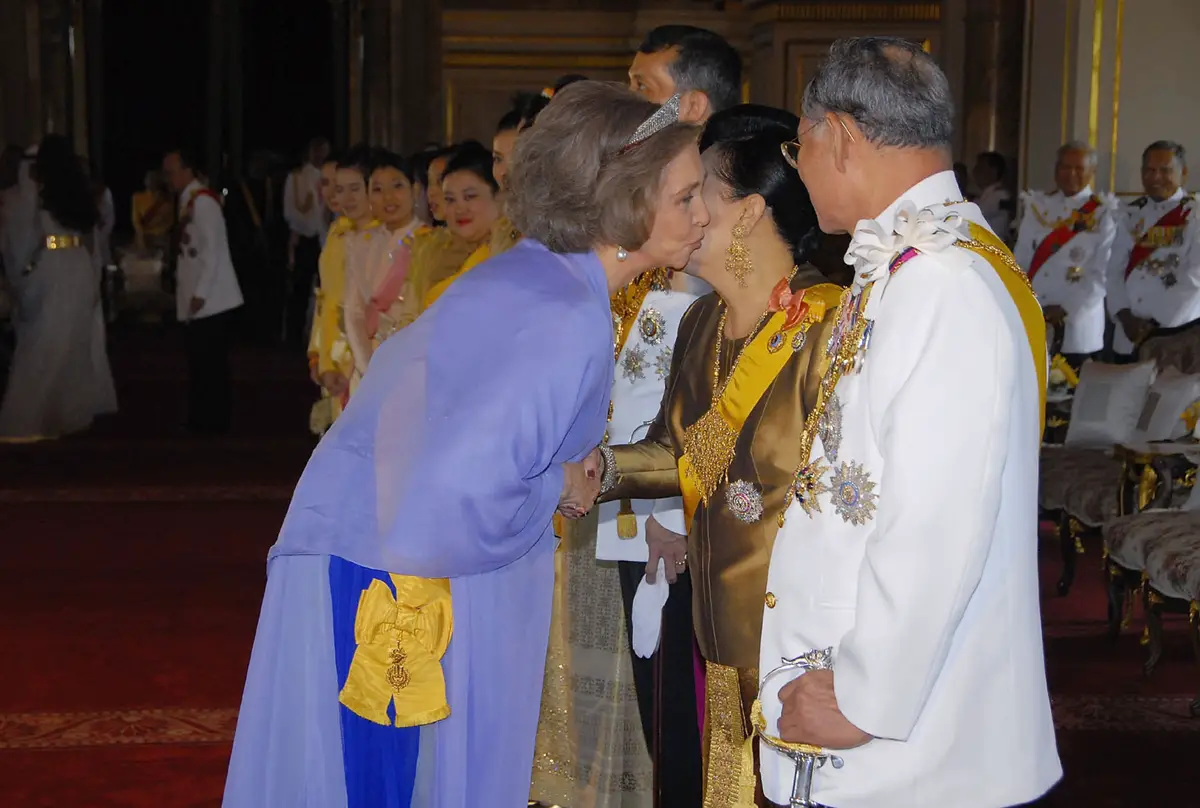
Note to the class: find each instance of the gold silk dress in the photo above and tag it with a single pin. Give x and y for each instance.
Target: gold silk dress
(732, 533)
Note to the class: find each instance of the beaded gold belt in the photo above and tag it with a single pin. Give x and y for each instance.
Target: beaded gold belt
(66, 242)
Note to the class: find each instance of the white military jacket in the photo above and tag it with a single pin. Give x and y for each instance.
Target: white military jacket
(911, 549)
(205, 268)
(1165, 285)
(637, 394)
(1076, 275)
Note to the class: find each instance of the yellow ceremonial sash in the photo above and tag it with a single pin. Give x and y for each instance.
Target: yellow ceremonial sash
(481, 254)
(710, 442)
(401, 641)
(993, 250)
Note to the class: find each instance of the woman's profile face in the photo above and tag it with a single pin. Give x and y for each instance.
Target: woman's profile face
(681, 213)
(470, 205)
(724, 212)
(502, 148)
(328, 184)
(391, 197)
(437, 209)
(351, 191)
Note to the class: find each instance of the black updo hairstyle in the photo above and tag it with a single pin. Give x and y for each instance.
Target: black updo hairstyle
(358, 158)
(472, 156)
(527, 106)
(382, 158)
(747, 138)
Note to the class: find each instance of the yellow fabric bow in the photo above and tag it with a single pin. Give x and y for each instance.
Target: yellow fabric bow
(401, 642)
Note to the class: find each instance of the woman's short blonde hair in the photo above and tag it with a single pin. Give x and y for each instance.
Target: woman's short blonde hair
(573, 188)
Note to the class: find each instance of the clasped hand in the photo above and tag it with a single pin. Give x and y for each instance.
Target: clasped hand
(811, 714)
(581, 486)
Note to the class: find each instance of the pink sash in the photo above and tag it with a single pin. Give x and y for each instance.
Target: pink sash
(389, 289)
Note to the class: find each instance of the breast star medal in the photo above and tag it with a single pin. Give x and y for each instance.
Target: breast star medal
(1074, 274)
(744, 501)
(652, 326)
(662, 362)
(809, 485)
(633, 366)
(853, 494)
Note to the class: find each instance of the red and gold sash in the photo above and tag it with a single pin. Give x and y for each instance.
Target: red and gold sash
(1145, 247)
(1059, 237)
(146, 218)
(191, 203)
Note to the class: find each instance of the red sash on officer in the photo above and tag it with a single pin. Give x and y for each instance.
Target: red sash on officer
(1175, 217)
(199, 192)
(1061, 235)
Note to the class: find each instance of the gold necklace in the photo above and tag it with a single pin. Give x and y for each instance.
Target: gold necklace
(718, 389)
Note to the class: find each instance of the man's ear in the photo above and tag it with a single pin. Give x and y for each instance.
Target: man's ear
(693, 107)
(843, 133)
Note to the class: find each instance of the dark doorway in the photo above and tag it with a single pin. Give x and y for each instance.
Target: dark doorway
(155, 66)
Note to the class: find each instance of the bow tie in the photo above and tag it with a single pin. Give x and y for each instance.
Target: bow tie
(872, 248)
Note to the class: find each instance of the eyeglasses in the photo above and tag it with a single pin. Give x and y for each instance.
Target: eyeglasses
(791, 149)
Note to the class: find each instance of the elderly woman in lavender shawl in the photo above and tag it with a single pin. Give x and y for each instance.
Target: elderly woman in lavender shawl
(399, 655)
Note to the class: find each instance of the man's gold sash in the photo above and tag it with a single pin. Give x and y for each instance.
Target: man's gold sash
(709, 443)
(984, 244)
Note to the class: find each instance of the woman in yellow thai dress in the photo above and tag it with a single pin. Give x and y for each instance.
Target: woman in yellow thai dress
(330, 358)
(153, 215)
(375, 272)
(743, 379)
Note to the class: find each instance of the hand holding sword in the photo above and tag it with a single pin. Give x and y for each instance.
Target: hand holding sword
(810, 722)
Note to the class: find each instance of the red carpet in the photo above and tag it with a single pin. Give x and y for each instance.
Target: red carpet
(134, 565)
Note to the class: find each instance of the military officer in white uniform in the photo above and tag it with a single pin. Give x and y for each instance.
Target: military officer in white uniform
(1154, 273)
(206, 295)
(1064, 244)
(910, 548)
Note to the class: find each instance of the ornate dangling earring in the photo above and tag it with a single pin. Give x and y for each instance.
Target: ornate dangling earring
(622, 254)
(737, 256)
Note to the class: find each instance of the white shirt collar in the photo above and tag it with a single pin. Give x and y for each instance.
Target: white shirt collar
(936, 189)
(1173, 198)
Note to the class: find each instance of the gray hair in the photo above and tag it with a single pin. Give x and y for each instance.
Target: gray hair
(1076, 146)
(573, 184)
(1174, 148)
(892, 89)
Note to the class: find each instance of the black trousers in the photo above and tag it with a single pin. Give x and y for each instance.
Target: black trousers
(210, 388)
(667, 696)
(300, 286)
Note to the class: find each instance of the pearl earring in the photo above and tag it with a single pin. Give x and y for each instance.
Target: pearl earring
(622, 254)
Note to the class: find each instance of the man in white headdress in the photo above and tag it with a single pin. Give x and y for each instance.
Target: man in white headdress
(906, 569)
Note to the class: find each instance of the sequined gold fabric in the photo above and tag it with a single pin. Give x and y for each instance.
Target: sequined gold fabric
(590, 750)
(730, 780)
(727, 557)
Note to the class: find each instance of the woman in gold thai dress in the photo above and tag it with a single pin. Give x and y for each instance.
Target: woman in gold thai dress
(330, 358)
(743, 379)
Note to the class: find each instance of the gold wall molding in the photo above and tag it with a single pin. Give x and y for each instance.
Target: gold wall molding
(1116, 99)
(532, 61)
(1097, 61)
(1068, 37)
(851, 12)
(522, 41)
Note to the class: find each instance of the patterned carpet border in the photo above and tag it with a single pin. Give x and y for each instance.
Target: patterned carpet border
(115, 728)
(1083, 713)
(151, 493)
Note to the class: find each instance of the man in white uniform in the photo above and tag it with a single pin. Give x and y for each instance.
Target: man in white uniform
(911, 551)
(1154, 274)
(995, 202)
(1064, 245)
(308, 222)
(206, 295)
(705, 70)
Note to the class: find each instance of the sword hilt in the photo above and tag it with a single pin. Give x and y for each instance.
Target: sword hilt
(808, 758)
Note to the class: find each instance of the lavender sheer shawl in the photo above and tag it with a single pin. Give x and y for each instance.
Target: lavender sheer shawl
(447, 463)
